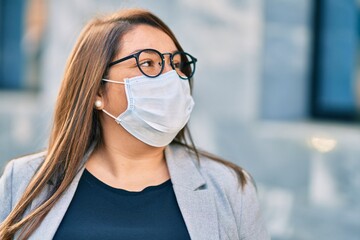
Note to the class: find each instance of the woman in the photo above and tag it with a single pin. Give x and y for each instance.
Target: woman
(120, 162)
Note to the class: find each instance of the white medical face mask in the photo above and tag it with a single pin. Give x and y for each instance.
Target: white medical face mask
(158, 108)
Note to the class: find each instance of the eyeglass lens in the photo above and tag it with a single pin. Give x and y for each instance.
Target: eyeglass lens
(183, 64)
(150, 63)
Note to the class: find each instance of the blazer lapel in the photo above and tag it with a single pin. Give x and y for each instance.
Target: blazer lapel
(195, 201)
(51, 222)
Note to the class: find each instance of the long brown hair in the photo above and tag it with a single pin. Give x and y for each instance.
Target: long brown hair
(76, 124)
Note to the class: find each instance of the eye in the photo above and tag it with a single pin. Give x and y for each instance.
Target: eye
(177, 64)
(146, 63)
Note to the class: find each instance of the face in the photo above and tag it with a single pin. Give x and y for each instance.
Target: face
(140, 37)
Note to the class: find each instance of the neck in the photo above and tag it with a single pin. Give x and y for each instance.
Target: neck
(121, 158)
(128, 158)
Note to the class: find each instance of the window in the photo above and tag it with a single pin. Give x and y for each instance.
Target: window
(11, 55)
(21, 35)
(336, 34)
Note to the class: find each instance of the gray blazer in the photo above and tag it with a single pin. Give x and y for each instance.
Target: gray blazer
(211, 202)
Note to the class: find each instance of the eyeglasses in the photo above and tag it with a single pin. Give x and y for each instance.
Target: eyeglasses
(151, 62)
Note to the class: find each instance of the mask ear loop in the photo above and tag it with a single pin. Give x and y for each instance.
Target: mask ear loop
(112, 81)
(106, 112)
(109, 114)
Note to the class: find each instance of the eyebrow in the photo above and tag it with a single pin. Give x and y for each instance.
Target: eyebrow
(138, 50)
(131, 53)
(135, 51)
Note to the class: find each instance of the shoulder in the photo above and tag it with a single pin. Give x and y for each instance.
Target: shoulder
(239, 201)
(18, 172)
(23, 166)
(224, 179)
(224, 174)
(218, 173)
(15, 178)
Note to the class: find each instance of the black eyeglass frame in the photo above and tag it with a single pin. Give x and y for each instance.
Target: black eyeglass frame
(136, 56)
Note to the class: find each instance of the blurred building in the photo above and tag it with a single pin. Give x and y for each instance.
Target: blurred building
(275, 91)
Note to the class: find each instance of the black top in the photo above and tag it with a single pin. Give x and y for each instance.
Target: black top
(99, 211)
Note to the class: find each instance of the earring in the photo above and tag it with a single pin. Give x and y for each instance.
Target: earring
(98, 103)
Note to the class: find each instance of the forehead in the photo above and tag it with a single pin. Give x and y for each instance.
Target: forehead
(144, 36)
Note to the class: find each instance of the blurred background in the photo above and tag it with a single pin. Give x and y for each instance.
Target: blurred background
(275, 91)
